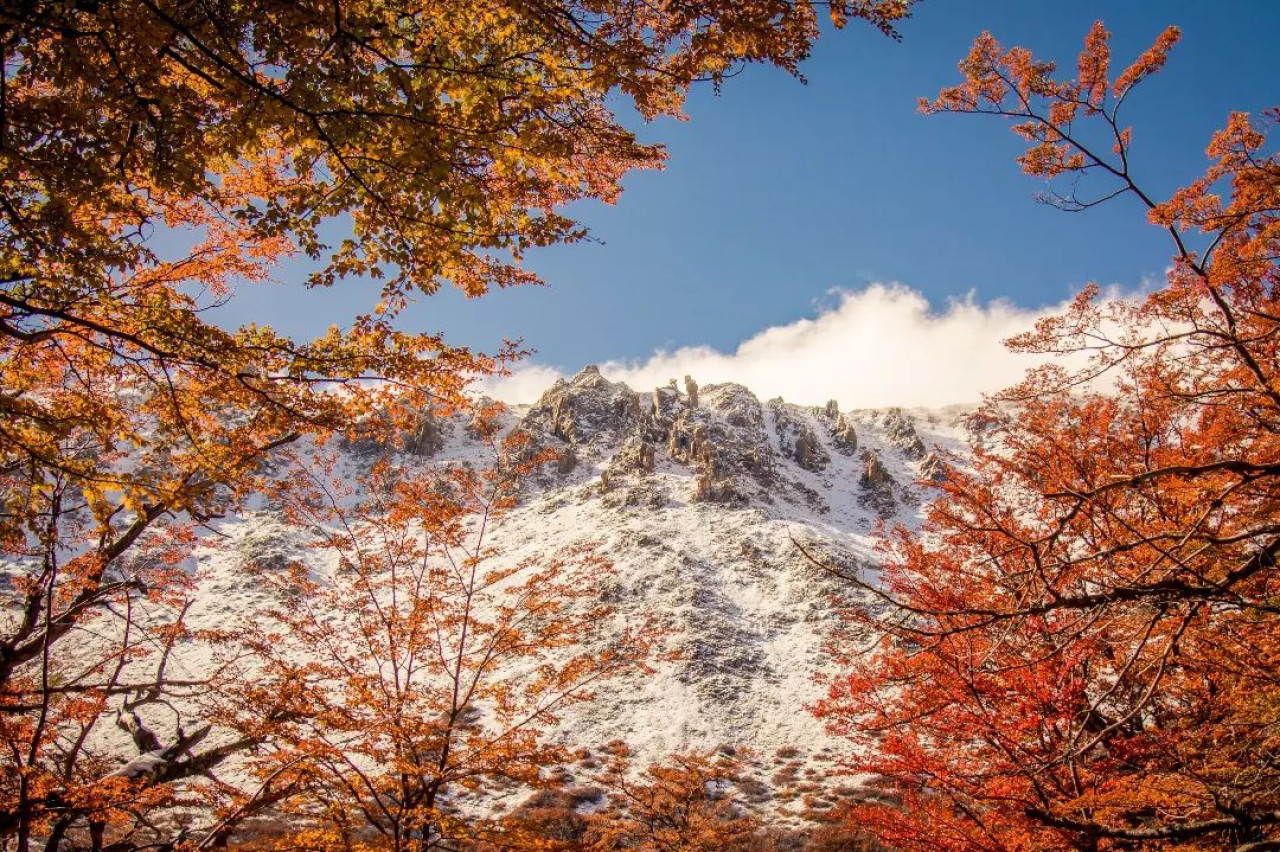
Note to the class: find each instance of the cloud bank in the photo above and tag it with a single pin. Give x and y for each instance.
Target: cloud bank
(880, 346)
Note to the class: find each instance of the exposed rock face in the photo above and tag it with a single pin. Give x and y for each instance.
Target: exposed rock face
(728, 445)
(625, 480)
(877, 484)
(563, 423)
(691, 445)
(716, 432)
(734, 450)
(901, 433)
(874, 474)
(665, 400)
(687, 439)
(712, 488)
(844, 436)
(578, 411)
(796, 438)
(566, 461)
(425, 439)
(635, 456)
(839, 426)
(428, 438)
(809, 452)
(737, 406)
(932, 468)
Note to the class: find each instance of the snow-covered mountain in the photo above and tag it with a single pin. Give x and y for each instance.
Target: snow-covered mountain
(698, 496)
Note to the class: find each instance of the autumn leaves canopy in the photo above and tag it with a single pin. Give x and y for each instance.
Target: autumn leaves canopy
(156, 155)
(1081, 651)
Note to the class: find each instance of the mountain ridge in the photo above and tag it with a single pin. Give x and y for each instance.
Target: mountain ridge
(697, 497)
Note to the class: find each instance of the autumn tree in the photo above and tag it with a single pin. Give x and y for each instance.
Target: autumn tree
(1081, 649)
(155, 156)
(685, 803)
(427, 666)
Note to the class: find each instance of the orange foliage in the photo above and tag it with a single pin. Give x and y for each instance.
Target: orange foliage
(422, 669)
(684, 805)
(1082, 648)
(446, 136)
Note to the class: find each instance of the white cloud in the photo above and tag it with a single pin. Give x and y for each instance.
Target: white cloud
(525, 384)
(880, 346)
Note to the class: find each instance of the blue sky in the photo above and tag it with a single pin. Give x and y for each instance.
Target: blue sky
(777, 192)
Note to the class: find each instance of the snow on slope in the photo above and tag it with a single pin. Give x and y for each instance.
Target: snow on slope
(696, 496)
(702, 539)
(701, 533)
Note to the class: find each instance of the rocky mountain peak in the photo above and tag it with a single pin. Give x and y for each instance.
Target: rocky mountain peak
(725, 446)
(586, 407)
(696, 495)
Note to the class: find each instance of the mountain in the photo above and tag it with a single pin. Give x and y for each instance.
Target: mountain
(698, 495)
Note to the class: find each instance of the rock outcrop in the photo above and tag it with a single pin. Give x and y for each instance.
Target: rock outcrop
(901, 432)
(878, 485)
(710, 487)
(844, 436)
(424, 439)
(566, 461)
(716, 432)
(634, 456)
(932, 468)
(796, 438)
(733, 449)
(587, 406)
(722, 439)
(428, 438)
(874, 474)
(839, 427)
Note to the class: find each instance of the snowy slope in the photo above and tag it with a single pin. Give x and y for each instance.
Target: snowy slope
(696, 495)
